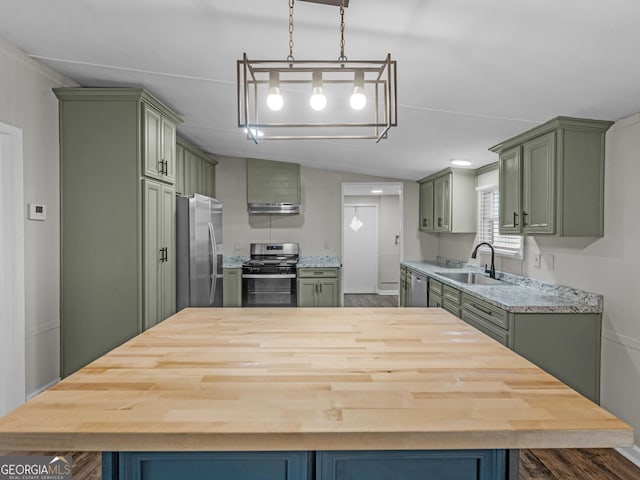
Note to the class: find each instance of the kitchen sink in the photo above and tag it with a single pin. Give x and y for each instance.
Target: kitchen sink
(472, 278)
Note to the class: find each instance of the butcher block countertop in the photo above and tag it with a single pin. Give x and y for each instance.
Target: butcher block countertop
(310, 379)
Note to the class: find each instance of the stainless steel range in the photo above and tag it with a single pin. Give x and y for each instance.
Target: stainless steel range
(269, 276)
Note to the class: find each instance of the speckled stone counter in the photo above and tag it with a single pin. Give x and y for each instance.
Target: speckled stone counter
(304, 262)
(233, 261)
(518, 294)
(319, 262)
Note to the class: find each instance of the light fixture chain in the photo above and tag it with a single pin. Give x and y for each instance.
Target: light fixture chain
(290, 57)
(342, 57)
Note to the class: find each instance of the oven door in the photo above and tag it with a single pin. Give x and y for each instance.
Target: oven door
(269, 290)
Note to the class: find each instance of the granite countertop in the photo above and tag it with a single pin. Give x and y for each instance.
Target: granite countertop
(519, 294)
(234, 261)
(319, 262)
(304, 262)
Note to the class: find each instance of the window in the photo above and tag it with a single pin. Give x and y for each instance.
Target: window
(488, 225)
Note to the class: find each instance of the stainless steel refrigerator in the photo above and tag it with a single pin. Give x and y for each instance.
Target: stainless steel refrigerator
(199, 252)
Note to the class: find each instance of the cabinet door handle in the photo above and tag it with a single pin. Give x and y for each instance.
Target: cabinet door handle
(320, 287)
(515, 219)
(439, 221)
(524, 218)
(487, 312)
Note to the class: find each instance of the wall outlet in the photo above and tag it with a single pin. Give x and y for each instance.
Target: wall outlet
(547, 260)
(536, 260)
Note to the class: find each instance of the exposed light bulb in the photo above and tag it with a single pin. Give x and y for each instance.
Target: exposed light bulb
(275, 100)
(358, 99)
(318, 101)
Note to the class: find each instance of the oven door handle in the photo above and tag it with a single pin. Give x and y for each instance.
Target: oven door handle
(275, 275)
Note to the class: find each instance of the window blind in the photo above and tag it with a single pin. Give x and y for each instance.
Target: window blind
(489, 225)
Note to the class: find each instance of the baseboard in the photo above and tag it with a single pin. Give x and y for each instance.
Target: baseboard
(632, 454)
(42, 389)
(387, 292)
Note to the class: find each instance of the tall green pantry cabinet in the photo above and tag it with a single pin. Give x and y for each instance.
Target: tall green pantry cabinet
(117, 173)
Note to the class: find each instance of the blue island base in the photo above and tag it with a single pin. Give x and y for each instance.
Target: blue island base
(320, 465)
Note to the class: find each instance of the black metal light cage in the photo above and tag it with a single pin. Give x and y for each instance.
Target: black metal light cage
(379, 75)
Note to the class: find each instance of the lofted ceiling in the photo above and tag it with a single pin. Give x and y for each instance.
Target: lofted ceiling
(470, 73)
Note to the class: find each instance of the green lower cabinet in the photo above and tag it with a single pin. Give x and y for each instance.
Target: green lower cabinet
(435, 293)
(318, 287)
(232, 287)
(566, 345)
(310, 465)
(405, 289)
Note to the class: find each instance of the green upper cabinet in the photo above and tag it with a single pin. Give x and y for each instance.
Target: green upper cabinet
(159, 145)
(442, 203)
(426, 206)
(448, 201)
(195, 170)
(272, 182)
(510, 191)
(552, 179)
(179, 169)
(538, 184)
(117, 219)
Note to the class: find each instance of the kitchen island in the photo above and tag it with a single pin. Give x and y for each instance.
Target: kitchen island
(310, 393)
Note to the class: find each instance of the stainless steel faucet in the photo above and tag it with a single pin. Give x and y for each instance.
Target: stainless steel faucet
(491, 271)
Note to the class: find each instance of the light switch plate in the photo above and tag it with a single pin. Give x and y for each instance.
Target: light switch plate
(37, 211)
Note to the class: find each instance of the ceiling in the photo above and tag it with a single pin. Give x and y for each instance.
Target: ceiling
(470, 73)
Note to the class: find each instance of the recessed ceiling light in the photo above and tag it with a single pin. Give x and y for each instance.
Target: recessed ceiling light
(460, 163)
(376, 191)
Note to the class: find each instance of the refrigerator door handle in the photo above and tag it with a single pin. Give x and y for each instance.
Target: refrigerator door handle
(214, 261)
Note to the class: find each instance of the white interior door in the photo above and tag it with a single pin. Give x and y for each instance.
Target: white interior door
(12, 296)
(360, 255)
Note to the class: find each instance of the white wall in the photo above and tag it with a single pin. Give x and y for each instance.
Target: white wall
(607, 265)
(318, 227)
(27, 102)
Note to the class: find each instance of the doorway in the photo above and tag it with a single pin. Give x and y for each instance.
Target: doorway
(12, 295)
(377, 259)
(360, 240)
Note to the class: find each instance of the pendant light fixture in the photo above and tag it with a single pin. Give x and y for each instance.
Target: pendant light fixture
(343, 99)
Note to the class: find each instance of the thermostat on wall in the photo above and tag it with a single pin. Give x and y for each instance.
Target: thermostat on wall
(37, 211)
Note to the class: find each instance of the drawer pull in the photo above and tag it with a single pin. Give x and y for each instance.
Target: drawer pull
(488, 312)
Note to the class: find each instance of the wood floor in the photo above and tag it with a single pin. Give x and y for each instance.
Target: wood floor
(370, 300)
(558, 464)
